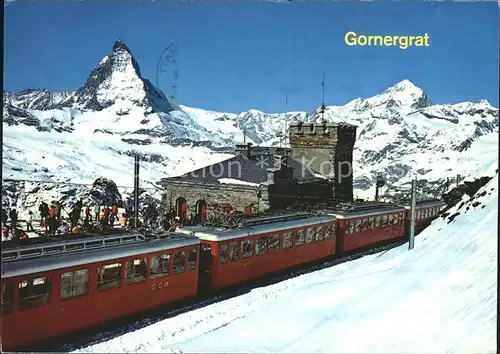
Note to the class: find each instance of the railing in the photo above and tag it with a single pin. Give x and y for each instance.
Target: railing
(61, 247)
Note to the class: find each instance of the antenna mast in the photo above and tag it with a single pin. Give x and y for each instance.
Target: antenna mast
(322, 110)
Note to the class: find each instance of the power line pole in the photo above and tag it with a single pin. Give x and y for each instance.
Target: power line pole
(136, 190)
(411, 241)
(323, 100)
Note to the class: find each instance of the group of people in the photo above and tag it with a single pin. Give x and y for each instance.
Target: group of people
(94, 218)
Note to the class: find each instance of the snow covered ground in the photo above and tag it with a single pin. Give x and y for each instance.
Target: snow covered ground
(439, 297)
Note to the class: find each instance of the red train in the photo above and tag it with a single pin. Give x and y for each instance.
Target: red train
(55, 285)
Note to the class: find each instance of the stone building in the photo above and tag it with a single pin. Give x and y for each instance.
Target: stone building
(259, 178)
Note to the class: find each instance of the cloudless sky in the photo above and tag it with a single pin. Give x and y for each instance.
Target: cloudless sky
(236, 56)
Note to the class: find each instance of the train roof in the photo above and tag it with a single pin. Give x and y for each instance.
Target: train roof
(49, 253)
(364, 210)
(259, 226)
(428, 204)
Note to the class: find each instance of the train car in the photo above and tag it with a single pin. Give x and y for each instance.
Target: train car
(426, 211)
(361, 226)
(55, 285)
(264, 245)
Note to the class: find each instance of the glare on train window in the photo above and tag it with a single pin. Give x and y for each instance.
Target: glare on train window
(319, 233)
(109, 276)
(287, 240)
(160, 266)
(261, 246)
(223, 254)
(35, 293)
(192, 259)
(300, 238)
(246, 248)
(310, 235)
(74, 284)
(274, 243)
(135, 271)
(179, 258)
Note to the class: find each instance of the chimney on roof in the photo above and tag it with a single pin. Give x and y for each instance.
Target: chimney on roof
(270, 175)
(243, 149)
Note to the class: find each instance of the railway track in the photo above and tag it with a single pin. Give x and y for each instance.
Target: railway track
(114, 329)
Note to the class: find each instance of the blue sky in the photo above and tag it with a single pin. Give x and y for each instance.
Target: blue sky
(236, 56)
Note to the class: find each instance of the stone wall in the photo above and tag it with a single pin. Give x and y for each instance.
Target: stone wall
(239, 196)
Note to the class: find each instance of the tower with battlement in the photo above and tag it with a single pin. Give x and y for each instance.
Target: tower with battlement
(326, 149)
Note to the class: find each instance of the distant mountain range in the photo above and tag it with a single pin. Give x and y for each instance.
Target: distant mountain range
(92, 132)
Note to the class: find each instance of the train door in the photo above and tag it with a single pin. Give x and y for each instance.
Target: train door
(205, 270)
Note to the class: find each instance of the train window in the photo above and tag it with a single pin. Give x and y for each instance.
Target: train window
(246, 248)
(378, 221)
(234, 251)
(287, 240)
(74, 284)
(179, 258)
(109, 276)
(160, 266)
(310, 235)
(389, 219)
(261, 246)
(372, 223)
(384, 220)
(358, 226)
(347, 227)
(223, 254)
(328, 233)
(135, 271)
(7, 298)
(395, 219)
(274, 243)
(352, 227)
(319, 233)
(300, 238)
(192, 259)
(34, 293)
(401, 218)
(426, 213)
(334, 230)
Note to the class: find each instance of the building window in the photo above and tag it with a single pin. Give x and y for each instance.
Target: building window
(287, 240)
(310, 235)
(74, 284)
(246, 248)
(179, 258)
(274, 243)
(34, 293)
(300, 238)
(7, 298)
(135, 271)
(234, 251)
(109, 276)
(223, 254)
(192, 259)
(261, 246)
(319, 233)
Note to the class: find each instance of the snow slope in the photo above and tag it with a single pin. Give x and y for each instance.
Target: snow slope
(439, 297)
